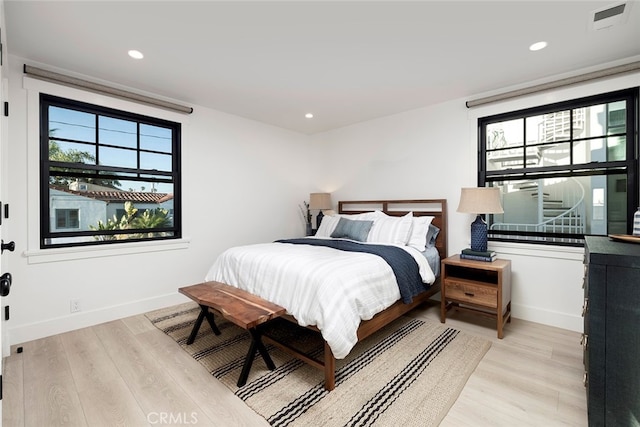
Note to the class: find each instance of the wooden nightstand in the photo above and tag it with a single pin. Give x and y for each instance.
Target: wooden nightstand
(477, 286)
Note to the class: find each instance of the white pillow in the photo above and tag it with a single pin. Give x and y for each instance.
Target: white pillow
(391, 230)
(329, 222)
(418, 233)
(365, 216)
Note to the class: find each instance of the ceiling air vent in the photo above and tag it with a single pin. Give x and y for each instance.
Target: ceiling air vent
(609, 15)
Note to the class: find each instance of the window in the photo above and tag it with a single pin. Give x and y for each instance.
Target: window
(107, 176)
(564, 170)
(67, 218)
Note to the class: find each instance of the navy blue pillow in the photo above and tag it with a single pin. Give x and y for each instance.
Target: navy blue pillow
(352, 229)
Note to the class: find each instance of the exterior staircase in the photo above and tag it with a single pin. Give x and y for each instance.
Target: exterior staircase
(558, 218)
(558, 204)
(563, 213)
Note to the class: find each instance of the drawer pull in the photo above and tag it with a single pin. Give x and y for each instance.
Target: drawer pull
(585, 379)
(585, 306)
(470, 294)
(583, 340)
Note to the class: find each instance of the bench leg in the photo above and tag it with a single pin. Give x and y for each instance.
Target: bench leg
(204, 313)
(256, 344)
(212, 322)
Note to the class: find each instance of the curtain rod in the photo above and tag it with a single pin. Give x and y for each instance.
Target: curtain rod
(633, 66)
(96, 87)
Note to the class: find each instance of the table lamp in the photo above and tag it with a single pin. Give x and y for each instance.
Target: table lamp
(320, 201)
(481, 200)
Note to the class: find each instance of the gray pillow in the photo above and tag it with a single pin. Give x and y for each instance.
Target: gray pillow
(431, 235)
(352, 229)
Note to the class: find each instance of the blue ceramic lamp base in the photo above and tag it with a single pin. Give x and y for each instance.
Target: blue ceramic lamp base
(319, 219)
(479, 235)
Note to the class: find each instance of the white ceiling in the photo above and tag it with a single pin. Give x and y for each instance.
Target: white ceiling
(345, 62)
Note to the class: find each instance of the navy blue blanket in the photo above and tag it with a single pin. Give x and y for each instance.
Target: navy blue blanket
(402, 263)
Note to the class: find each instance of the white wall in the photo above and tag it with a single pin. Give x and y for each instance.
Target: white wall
(431, 153)
(242, 183)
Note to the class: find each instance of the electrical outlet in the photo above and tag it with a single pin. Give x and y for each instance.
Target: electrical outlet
(75, 305)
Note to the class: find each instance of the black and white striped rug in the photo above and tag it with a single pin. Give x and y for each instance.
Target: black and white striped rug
(408, 374)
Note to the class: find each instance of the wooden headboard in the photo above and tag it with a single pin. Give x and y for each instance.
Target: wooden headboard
(433, 207)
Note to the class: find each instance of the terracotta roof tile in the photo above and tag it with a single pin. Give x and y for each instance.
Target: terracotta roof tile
(119, 196)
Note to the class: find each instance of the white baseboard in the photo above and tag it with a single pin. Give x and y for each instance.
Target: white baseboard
(36, 330)
(547, 317)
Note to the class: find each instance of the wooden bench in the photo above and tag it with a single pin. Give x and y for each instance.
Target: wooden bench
(239, 307)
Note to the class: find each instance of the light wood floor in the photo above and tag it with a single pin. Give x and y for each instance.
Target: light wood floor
(128, 373)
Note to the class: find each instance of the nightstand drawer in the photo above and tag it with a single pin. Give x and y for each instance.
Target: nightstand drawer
(485, 296)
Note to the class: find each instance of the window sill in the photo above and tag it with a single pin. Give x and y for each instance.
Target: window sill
(40, 256)
(540, 251)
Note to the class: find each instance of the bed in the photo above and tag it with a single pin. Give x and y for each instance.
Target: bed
(366, 266)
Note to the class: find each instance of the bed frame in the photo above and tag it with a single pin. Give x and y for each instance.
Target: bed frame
(433, 207)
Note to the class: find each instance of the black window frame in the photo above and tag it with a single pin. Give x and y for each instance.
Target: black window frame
(174, 231)
(629, 166)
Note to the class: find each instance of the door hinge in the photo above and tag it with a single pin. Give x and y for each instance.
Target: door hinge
(6, 108)
(0, 386)
(6, 312)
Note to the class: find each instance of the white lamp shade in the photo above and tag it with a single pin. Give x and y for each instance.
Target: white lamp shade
(320, 201)
(480, 200)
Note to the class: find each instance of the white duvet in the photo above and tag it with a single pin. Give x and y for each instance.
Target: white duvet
(321, 286)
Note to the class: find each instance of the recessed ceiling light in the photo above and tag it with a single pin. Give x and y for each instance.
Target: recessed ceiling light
(538, 46)
(136, 54)
(309, 116)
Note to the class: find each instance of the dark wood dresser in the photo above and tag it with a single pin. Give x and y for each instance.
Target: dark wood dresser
(611, 338)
